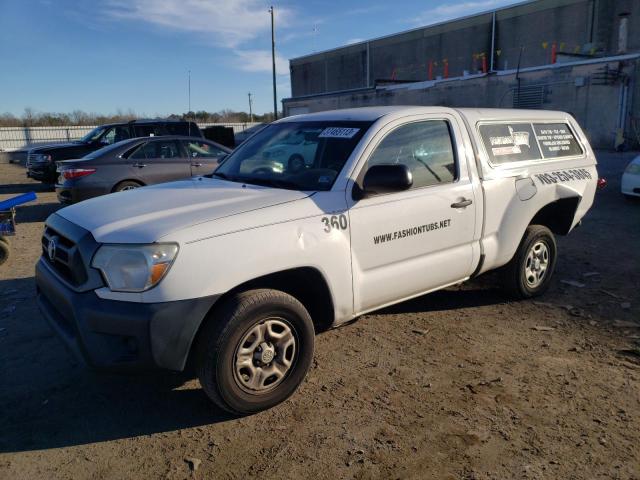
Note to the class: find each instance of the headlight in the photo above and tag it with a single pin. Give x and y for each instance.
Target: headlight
(633, 169)
(134, 268)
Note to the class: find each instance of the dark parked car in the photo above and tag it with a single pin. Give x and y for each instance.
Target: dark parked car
(41, 161)
(135, 163)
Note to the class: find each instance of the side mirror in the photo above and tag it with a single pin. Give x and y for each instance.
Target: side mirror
(381, 179)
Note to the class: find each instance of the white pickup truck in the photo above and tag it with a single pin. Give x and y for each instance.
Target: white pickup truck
(237, 270)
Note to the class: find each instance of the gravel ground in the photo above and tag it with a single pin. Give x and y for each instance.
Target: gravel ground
(460, 384)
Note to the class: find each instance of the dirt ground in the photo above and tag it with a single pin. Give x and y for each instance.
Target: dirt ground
(460, 384)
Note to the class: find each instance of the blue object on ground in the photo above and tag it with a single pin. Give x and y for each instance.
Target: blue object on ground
(19, 200)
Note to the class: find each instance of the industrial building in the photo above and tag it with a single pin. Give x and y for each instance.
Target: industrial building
(581, 56)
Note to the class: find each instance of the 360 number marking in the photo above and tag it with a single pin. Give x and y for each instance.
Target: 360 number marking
(337, 222)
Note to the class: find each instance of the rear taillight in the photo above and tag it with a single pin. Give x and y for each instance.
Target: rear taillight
(72, 173)
(602, 182)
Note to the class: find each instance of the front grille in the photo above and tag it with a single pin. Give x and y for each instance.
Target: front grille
(65, 257)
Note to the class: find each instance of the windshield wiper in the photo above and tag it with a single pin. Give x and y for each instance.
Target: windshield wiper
(221, 175)
(270, 182)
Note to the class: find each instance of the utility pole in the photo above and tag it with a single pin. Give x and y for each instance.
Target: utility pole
(189, 96)
(273, 62)
(250, 109)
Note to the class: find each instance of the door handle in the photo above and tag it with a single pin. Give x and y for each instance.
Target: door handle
(139, 165)
(465, 202)
(196, 164)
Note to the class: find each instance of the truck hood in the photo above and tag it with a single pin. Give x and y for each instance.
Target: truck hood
(54, 146)
(146, 214)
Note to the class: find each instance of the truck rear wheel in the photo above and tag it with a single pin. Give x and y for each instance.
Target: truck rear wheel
(255, 351)
(529, 272)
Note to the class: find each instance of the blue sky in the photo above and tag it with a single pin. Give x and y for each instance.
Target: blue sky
(109, 55)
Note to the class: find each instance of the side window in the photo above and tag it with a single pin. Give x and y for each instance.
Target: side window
(115, 134)
(149, 130)
(166, 149)
(556, 140)
(144, 151)
(107, 138)
(509, 142)
(425, 147)
(178, 128)
(196, 149)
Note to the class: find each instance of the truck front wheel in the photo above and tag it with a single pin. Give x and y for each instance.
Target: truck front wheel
(255, 350)
(529, 272)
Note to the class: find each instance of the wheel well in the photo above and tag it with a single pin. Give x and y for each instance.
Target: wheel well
(306, 284)
(127, 180)
(557, 216)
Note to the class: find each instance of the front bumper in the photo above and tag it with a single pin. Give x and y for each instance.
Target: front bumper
(43, 172)
(116, 335)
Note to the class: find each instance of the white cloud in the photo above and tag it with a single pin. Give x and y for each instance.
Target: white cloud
(227, 22)
(450, 11)
(260, 61)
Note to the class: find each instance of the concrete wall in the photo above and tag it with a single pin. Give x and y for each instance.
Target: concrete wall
(581, 88)
(585, 28)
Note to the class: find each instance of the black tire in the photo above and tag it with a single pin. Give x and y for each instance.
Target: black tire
(126, 185)
(4, 250)
(515, 279)
(226, 333)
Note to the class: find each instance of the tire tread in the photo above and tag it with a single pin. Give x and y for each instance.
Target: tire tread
(216, 330)
(510, 273)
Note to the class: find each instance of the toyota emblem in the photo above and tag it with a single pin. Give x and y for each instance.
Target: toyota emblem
(51, 248)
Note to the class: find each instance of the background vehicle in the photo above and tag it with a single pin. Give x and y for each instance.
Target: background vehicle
(41, 161)
(240, 269)
(295, 151)
(630, 185)
(137, 162)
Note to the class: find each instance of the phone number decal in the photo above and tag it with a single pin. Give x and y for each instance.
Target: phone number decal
(564, 176)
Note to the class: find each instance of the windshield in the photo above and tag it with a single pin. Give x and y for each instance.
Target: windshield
(294, 155)
(93, 135)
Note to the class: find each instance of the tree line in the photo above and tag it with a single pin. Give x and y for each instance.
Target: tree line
(32, 118)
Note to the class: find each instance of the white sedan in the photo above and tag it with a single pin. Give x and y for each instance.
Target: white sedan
(631, 178)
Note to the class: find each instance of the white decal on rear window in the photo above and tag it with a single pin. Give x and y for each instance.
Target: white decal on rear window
(338, 132)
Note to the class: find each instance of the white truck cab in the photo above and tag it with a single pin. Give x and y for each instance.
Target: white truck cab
(238, 269)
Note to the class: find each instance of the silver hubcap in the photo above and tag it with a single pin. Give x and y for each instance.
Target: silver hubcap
(128, 187)
(537, 263)
(265, 355)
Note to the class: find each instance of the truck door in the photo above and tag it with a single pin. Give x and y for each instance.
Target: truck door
(409, 242)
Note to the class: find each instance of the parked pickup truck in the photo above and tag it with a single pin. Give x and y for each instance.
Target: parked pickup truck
(236, 271)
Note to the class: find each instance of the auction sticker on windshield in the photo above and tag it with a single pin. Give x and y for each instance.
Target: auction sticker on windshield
(338, 132)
